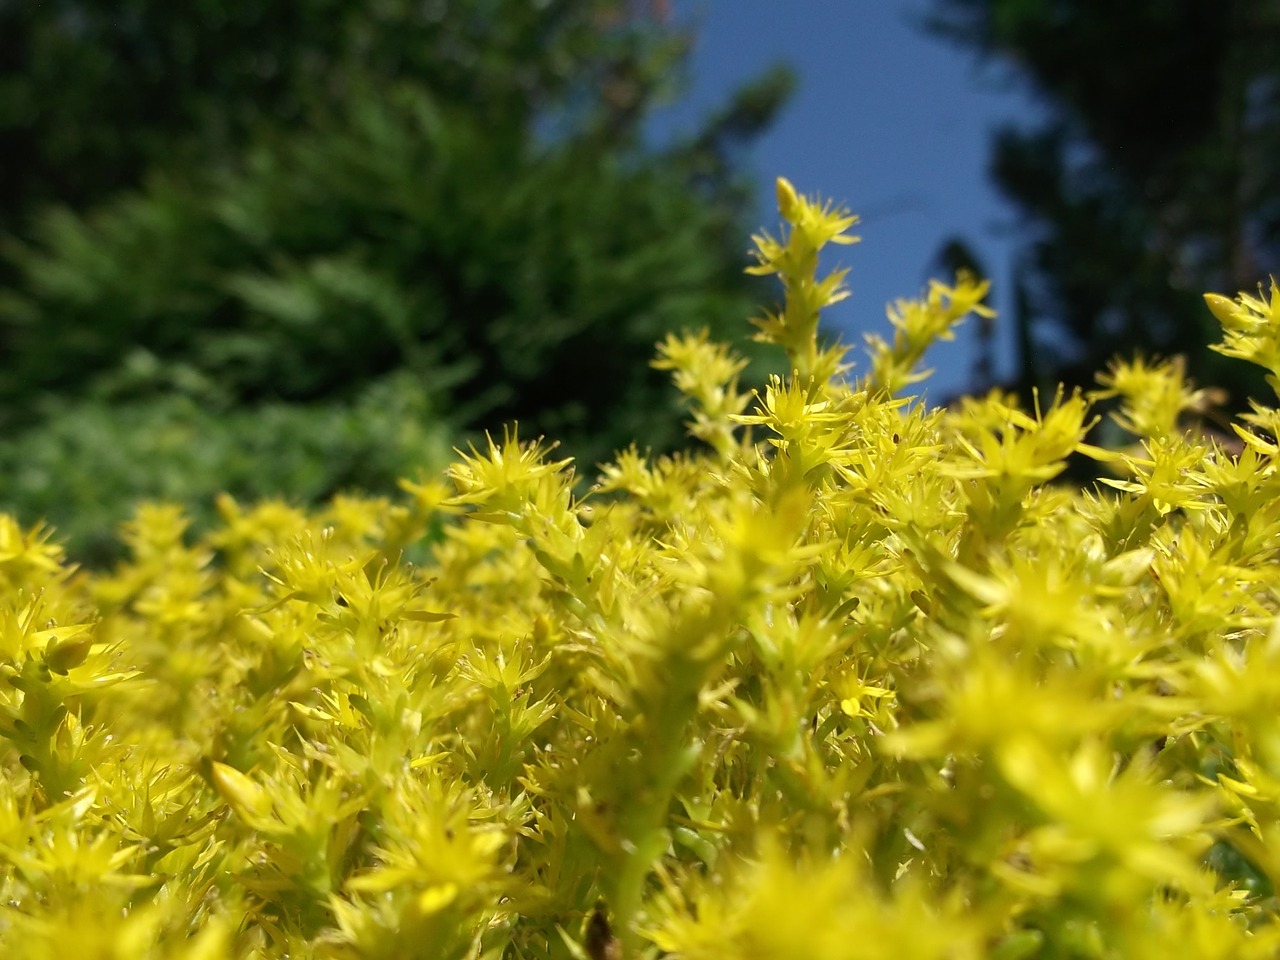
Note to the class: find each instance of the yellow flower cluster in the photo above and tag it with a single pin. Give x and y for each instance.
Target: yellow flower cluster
(857, 682)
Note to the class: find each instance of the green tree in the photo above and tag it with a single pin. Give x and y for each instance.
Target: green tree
(1155, 175)
(462, 203)
(96, 93)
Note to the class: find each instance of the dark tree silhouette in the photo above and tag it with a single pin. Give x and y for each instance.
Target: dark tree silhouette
(1154, 178)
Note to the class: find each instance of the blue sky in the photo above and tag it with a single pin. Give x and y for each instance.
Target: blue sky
(891, 121)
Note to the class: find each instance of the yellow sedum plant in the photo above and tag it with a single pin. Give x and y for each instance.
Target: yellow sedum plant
(857, 682)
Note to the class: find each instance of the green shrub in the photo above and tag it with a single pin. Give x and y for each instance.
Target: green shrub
(515, 279)
(858, 681)
(88, 463)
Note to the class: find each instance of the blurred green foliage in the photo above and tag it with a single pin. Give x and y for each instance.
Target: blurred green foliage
(514, 280)
(88, 460)
(96, 93)
(282, 207)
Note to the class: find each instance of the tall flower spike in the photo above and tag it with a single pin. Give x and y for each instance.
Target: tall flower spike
(917, 325)
(794, 258)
